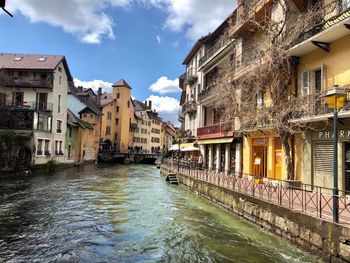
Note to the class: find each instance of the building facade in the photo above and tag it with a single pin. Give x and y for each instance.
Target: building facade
(33, 99)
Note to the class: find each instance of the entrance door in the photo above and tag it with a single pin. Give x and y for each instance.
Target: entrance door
(278, 159)
(18, 98)
(347, 166)
(260, 161)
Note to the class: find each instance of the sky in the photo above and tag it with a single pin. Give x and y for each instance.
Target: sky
(141, 41)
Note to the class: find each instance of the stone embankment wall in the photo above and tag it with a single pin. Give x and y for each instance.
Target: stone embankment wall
(325, 239)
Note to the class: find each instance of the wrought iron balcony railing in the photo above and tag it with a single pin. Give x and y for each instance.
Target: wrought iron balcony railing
(324, 17)
(25, 83)
(223, 42)
(190, 107)
(27, 105)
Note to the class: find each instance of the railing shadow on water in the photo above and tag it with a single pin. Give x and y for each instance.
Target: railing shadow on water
(311, 200)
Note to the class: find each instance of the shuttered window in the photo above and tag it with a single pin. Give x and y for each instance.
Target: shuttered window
(323, 157)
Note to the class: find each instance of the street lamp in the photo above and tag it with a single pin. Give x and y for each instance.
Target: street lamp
(336, 98)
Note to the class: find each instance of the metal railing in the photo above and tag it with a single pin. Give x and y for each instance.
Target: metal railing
(27, 83)
(311, 200)
(223, 42)
(31, 105)
(190, 106)
(325, 16)
(216, 128)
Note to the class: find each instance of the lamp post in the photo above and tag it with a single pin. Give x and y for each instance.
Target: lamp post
(336, 98)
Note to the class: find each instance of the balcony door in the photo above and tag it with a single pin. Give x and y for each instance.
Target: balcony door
(41, 100)
(17, 98)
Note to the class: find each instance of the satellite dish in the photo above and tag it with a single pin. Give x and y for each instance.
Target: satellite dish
(2, 5)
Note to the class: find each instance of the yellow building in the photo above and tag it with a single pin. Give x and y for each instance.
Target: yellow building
(118, 117)
(324, 56)
(122, 92)
(109, 120)
(151, 125)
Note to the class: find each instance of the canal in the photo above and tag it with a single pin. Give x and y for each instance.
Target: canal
(125, 214)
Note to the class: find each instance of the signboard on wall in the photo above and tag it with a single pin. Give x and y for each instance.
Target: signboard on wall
(343, 134)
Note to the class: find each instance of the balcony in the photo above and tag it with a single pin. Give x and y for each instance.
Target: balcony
(190, 107)
(27, 83)
(191, 75)
(329, 23)
(16, 120)
(181, 116)
(247, 59)
(215, 50)
(208, 92)
(27, 106)
(224, 129)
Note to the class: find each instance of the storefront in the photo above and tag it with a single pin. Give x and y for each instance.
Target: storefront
(322, 151)
(263, 156)
(222, 155)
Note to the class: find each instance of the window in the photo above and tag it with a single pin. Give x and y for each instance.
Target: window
(91, 116)
(42, 122)
(47, 147)
(109, 115)
(59, 126)
(69, 151)
(305, 84)
(41, 101)
(117, 108)
(60, 80)
(18, 58)
(39, 148)
(42, 59)
(115, 136)
(59, 69)
(128, 103)
(58, 148)
(59, 104)
(116, 121)
(118, 95)
(70, 132)
(17, 98)
(108, 130)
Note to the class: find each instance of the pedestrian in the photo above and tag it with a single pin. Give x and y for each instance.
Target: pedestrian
(200, 161)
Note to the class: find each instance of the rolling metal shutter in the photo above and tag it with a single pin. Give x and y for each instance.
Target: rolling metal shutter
(323, 157)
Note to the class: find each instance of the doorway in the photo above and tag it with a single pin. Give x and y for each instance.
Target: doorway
(260, 161)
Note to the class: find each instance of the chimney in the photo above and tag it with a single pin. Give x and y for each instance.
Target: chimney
(150, 104)
(99, 95)
(146, 102)
(80, 88)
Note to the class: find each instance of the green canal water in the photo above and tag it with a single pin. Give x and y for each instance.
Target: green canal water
(125, 214)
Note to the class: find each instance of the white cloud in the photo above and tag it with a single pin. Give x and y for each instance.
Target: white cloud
(164, 85)
(94, 84)
(87, 19)
(159, 40)
(167, 107)
(196, 17)
(91, 22)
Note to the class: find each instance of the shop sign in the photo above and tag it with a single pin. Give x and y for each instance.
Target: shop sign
(343, 134)
(261, 141)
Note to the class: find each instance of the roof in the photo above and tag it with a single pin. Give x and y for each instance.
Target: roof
(77, 121)
(106, 99)
(194, 50)
(140, 106)
(88, 101)
(33, 62)
(218, 31)
(86, 92)
(121, 83)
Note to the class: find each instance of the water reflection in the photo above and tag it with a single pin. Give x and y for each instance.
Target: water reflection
(124, 214)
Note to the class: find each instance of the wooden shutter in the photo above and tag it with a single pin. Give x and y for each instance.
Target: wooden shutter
(323, 157)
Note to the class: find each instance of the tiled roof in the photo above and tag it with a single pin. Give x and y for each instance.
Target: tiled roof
(140, 106)
(77, 121)
(121, 83)
(106, 99)
(33, 62)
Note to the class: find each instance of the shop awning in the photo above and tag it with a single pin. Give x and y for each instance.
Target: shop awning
(216, 141)
(175, 147)
(190, 149)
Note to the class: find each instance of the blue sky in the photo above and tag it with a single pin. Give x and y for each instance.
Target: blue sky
(141, 41)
